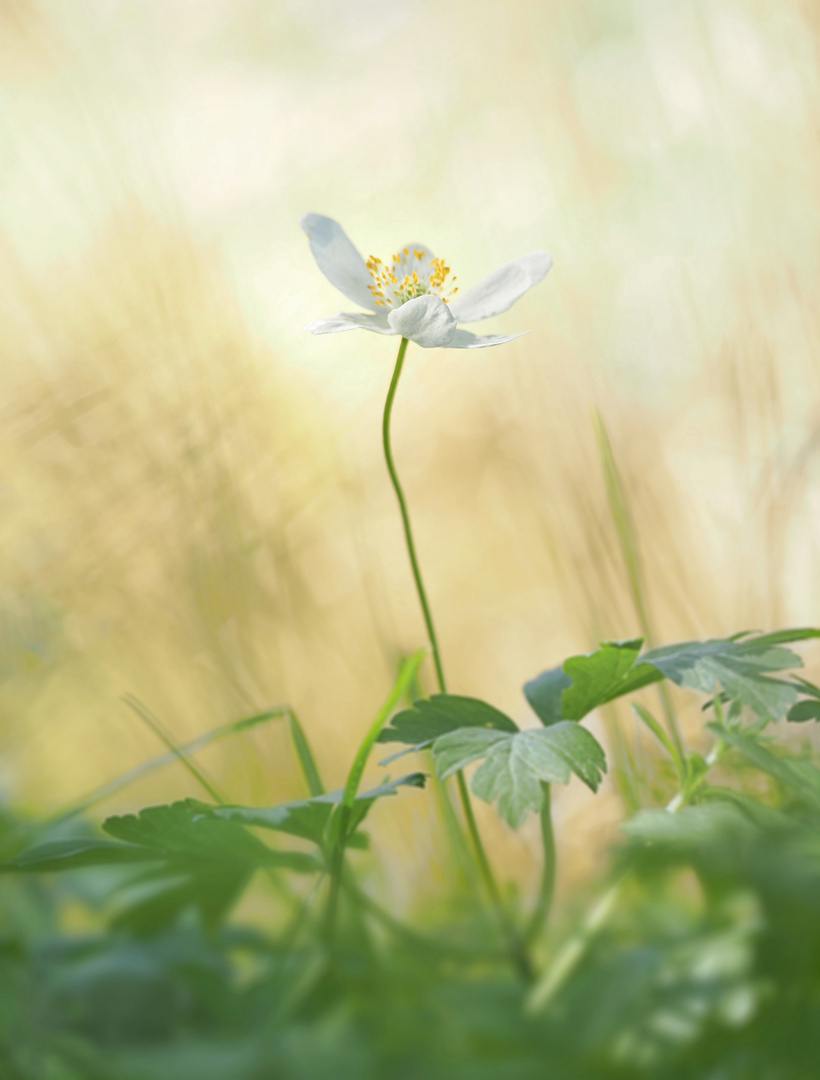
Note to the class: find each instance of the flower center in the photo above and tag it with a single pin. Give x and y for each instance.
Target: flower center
(409, 274)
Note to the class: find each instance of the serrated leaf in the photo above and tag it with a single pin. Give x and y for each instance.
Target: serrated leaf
(587, 681)
(199, 861)
(516, 765)
(739, 667)
(182, 830)
(308, 818)
(602, 676)
(431, 717)
(458, 748)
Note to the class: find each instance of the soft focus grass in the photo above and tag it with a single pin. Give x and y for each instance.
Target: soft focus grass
(195, 510)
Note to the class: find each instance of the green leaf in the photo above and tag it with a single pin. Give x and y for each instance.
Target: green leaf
(308, 818)
(431, 717)
(206, 863)
(198, 861)
(765, 817)
(544, 693)
(516, 765)
(797, 774)
(588, 681)
(182, 832)
(691, 828)
(786, 637)
(739, 667)
(807, 688)
(307, 761)
(803, 711)
(305, 818)
(72, 854)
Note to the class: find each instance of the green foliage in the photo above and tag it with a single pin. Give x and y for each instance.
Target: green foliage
(434, 716)
(718, 978)
(515, 766)
(310, 818)
(195, 862)
(741, 668)
(583, 683)
(799, 777)
(689, 828)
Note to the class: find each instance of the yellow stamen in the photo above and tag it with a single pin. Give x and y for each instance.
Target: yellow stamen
(391, 281)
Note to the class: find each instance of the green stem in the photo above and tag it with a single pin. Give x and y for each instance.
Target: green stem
(437, 947)
(405, 516)
(543, 904)
(345, 809)
(464, 796)
(573, 951)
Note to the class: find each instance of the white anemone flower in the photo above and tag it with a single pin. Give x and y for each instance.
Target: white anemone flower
(412, 294)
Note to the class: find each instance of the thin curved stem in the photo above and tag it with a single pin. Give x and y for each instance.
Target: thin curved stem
(543, 904)
(574, 949)
(464, 796)
(405, 516)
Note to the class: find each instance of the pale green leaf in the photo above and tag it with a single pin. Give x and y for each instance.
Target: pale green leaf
(516, 765)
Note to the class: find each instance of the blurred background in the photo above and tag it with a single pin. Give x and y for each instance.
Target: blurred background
(195, 509)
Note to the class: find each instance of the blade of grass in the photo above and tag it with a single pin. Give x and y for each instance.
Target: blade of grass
(232, 727)
(310, 769)
(405, 677)
(158, 729)
(649, 720)
(628, 542)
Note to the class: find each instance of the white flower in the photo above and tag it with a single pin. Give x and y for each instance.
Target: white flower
(412, 294)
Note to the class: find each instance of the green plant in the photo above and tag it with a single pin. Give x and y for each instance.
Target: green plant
(717, 978)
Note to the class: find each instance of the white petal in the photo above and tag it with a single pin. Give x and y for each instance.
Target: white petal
(411, 263)
(338, 259)
(502, 288)
(463, 339)
(350, 321)
(426, 320)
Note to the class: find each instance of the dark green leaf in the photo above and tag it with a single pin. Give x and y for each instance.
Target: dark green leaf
(199, 861)
(601, 676)
(588, 681)
(431, 717)
(765, 817)
(690, 828)
(741, 668)
(515, 766)
(71, 854)
(182, 830)
(308, 818)
(544, 694)
(803, 711)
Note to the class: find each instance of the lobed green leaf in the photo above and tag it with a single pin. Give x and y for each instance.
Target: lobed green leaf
(516, 765)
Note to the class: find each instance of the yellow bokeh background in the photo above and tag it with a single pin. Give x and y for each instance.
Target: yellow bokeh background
(195, 509)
